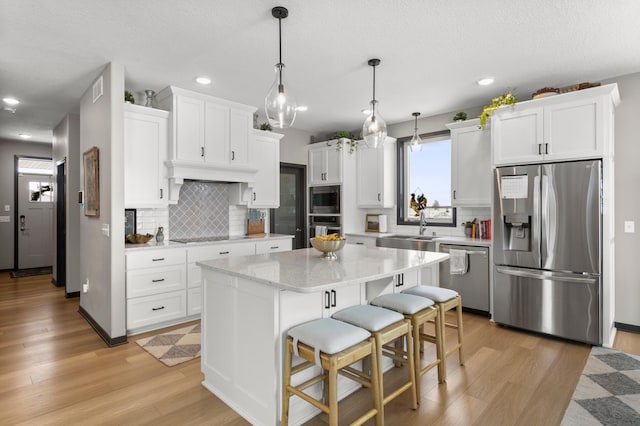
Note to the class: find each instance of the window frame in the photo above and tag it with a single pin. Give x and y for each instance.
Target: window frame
(400, 205)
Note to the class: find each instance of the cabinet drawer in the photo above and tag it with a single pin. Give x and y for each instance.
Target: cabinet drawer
(150, 310)
(194, 301)
(361, 241)
(273, 246)
(145, 282)
(198, 254)
(155, 258)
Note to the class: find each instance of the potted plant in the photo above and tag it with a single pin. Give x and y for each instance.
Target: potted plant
(128, 97)
(266, 126)
(508, 98)
(351, 140)
(461, 116)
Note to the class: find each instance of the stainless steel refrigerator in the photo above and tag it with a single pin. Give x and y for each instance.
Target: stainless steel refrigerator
(547, 236)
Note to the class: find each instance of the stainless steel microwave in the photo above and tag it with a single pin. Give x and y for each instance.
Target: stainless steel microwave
(324, 199)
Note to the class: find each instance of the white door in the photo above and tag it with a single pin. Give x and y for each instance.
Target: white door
(35, 221)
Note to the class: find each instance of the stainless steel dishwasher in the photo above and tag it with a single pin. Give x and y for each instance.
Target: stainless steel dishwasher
(473, 285)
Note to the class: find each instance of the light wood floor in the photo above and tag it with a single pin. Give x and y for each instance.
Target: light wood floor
(54, 369)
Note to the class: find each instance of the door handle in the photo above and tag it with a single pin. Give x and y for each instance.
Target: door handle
(23, 221)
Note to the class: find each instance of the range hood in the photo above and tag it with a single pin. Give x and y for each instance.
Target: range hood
(179, 171)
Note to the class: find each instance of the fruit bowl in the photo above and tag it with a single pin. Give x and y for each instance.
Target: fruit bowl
(138, 238)
(328, 247)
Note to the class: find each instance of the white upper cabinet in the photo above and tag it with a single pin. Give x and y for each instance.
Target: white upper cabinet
(145, 151)
(265, 191)
(188, 128)
(375, 175)
(216, 143)
(470, 164)
(325, 165)
(571, 126)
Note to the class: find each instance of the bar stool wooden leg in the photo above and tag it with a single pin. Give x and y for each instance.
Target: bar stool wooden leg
(286, 383)
(460, 333)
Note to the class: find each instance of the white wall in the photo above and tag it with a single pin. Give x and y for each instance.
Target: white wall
(66, 146)
(627, 199)
(102, 257)
(8, 150)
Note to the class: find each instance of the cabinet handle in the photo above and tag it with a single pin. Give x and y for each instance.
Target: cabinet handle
(378, 196)
(223, 252)
(539, 149)
(254, 196)
(161, 193)
(274, 247)
(233, 155)
(202, 151)
(546, 148)
(454, 194)
(359, 243)
(157, 281)
(400, 282)
(327, 303)
(157, 309)
(334, 298)
(158, 259)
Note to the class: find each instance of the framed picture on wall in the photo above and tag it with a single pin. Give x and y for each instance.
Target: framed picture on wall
(372, 223)
(91, 170)
(129, 221)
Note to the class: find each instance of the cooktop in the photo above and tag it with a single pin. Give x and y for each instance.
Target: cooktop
(200, 239)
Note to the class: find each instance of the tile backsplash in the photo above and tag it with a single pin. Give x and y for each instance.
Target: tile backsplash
(202, 210)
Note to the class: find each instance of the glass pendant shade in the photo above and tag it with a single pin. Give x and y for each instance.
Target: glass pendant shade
(374, 129)
(280, 105)
(415, 145)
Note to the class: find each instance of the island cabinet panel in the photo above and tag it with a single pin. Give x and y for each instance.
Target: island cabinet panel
(242, 358)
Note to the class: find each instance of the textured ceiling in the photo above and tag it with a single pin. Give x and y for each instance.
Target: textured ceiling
(432, 52)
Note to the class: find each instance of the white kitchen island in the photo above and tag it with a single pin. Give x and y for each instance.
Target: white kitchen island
(250, 302)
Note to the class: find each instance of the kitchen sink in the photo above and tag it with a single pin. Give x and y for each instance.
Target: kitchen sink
(409, 242)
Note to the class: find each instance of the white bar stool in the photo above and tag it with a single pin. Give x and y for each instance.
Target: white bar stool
(418, 310)
(333, 345)
(445, 300)
(386, 326)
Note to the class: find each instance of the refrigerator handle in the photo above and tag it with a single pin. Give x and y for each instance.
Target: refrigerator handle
(539, 276)
(535, 232)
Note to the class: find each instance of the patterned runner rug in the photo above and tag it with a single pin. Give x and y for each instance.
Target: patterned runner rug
(175, 346)
(608, 392)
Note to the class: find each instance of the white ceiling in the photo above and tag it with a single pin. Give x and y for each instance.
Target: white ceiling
(432, 52)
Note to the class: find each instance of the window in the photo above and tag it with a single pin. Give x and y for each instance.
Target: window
(425, 174)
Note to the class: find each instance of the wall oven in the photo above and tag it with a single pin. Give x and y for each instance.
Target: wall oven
(324, 199)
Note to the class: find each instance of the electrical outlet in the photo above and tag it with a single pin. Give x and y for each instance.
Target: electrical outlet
(105, 229)
(629, 226)
(7, 208)
(6, 219)
(85, 287)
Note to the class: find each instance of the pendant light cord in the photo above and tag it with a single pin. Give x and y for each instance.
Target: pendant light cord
(280, 50)
(373, 106)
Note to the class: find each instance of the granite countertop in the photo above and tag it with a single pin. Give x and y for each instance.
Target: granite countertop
(232, 239)
(305, 271)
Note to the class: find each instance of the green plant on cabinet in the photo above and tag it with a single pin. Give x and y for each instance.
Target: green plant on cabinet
(508, 98)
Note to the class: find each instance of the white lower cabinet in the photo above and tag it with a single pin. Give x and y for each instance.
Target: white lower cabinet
(156, 284)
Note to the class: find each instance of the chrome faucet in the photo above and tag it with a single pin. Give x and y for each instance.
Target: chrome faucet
(422, 223)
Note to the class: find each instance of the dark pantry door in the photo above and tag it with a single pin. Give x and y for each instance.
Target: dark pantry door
(289, 217)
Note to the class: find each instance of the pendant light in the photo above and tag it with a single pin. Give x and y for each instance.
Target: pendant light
(280, 106)
(416, 143)
(374, 129)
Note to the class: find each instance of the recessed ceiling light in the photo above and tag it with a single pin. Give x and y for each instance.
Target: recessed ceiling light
(10, 101)
(301, 108)
(205, 81)
(365, 111)
(485, 81)
(9, 109)
(24, 135)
